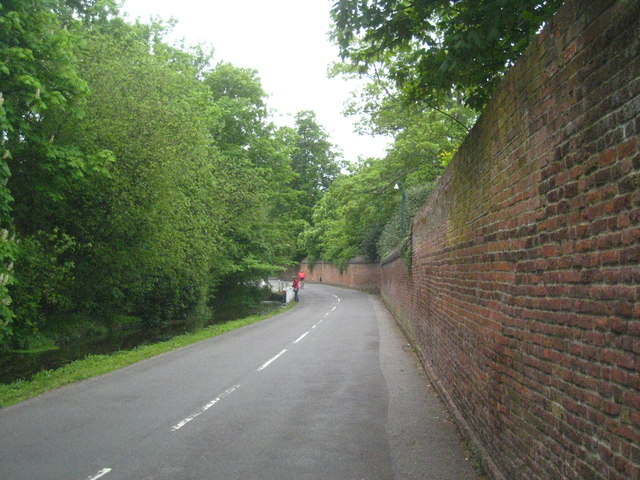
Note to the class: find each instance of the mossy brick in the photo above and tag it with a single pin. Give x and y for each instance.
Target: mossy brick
(557, 312)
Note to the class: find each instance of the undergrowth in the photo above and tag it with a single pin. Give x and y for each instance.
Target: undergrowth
(94, 365)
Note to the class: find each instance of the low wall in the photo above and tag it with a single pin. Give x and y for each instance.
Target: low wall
(359, 274)
(523, 293)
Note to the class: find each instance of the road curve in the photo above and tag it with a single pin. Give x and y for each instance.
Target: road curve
(326, 390)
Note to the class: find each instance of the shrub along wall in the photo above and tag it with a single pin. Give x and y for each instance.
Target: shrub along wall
(522, 297)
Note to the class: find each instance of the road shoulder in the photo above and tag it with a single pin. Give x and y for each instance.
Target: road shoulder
(424, 440)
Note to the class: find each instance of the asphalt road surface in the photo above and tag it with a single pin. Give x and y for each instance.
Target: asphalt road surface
(328, 390)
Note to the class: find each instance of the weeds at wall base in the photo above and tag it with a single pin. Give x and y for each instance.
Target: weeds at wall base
(475, 459)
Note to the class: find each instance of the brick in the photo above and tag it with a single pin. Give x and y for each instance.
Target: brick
(608, 156)
(523, 296)
(630, 183)
(628, 148)
(630, 255)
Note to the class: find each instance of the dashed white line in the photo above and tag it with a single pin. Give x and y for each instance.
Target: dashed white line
(100, 474)
(269, 362)
(330, 311)
(206, 407)
(301, 337)
(181, 424)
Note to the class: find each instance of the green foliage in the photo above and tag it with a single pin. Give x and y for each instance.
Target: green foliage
(241, 299)
(37, 77)
(7, 256)
(256, 177)
(348, 219)
(431, 50)
(44, 276)
(241, 109)
(143, 182)
(360, 213)
(148, 221)
(313, 160)
(431, 65)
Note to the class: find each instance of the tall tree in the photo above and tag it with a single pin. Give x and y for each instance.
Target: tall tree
(433, 49)
(38, 79)
(240, 100)
(256, 171)
(314, 160)
(147, 227)
(145, 182)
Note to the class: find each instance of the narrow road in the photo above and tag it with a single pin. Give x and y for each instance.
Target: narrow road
(327, 390)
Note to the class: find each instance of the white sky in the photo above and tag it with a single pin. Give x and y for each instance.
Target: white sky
(287, 42)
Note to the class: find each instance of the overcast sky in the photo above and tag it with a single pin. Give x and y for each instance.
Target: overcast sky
(286, 41)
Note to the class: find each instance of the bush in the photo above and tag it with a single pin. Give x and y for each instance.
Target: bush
(172, 299)
(236, 299)
(43, 280)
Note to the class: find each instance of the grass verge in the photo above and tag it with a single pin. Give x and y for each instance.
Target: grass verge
(94, 365)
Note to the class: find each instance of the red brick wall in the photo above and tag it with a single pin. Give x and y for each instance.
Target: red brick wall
(359, 274)
(523, 293)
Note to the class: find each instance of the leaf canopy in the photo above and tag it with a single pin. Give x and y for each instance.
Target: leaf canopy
(432, 49)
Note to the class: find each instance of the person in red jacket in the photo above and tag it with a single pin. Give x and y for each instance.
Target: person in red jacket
(296, 286)
(301, 278)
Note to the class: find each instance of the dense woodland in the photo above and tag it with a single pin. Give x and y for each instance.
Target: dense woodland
(145, 180)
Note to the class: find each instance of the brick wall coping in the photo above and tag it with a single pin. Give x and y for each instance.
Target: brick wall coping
(394, 255)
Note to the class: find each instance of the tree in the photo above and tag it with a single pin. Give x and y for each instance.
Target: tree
(256, 172)
(313, 160)
(144, 227)
(349, 217)
(38, 79)
(145, 182)
(240, 100)
(435, 49)
(361, 208)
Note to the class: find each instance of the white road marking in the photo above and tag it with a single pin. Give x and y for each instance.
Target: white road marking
(301, 337)
(269, 362)
(101, 473)
(327, 314)
(337, 298)
(181, 424)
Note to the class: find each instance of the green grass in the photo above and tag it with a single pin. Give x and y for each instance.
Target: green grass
(43, 348)
(94, 365)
